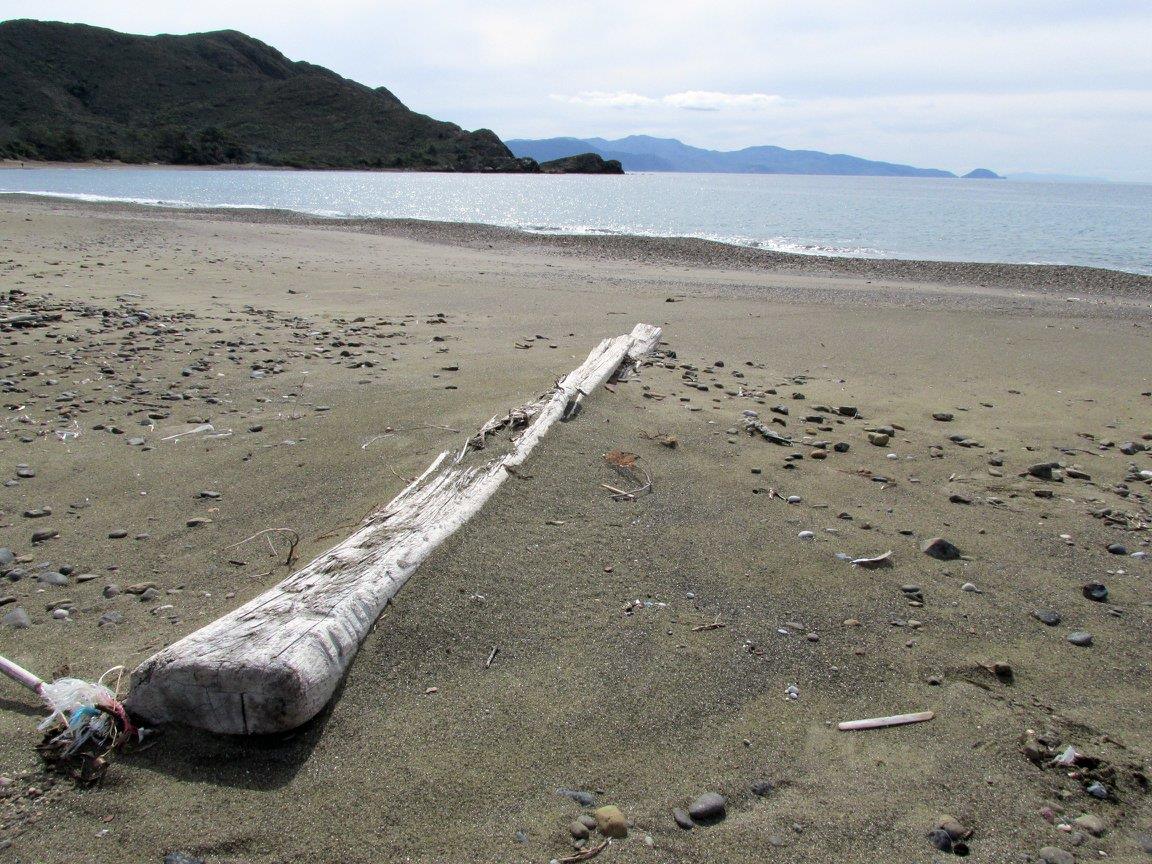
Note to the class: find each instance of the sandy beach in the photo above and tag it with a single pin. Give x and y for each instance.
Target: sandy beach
(213, 374)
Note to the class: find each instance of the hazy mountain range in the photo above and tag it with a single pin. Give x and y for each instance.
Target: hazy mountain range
(645, 153)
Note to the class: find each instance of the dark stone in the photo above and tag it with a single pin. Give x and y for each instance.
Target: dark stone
(709, 807)
(762, 788)
(940, 839)
(1117, 549)
(940, 549)
(584, 799)
(1080, 638)
(1095, 591)
(1047, 616)
(683, 819)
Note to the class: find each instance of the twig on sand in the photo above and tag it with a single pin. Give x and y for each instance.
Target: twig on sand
(715, 625)
(491, 656)
(400, 476)
(584, 854)
(625, 465)
(390, 431)
(882, 722)
(293, 543)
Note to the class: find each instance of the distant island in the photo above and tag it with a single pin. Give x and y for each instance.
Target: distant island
(645, 153)
(75, 93)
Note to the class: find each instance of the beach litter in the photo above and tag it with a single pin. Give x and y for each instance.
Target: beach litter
(884, 722)
(86, 725)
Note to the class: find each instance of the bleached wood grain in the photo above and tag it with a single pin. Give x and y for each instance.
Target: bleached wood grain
(273, 663)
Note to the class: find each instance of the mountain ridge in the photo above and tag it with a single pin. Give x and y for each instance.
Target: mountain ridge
(73, 92)
(648, 153)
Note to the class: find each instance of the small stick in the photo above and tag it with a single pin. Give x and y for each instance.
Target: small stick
(715, 625)
(585, 854)
(882, 722)
(491, 656)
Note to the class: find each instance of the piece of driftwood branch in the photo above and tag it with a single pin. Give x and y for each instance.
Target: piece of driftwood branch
(883, 722)
(272, 664)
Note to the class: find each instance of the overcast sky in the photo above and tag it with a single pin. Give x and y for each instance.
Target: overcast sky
(1052, 85)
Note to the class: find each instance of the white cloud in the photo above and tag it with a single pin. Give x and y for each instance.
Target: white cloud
(606, 99)
(689, 100)
(710, 100)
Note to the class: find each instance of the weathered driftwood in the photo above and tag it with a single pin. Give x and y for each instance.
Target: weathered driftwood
(275, 662)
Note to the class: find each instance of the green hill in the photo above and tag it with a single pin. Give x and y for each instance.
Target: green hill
(70, 92)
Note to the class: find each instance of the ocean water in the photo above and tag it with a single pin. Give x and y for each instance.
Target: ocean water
(1099, 225)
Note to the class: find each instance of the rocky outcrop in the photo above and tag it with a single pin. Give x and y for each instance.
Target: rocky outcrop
(583, 163)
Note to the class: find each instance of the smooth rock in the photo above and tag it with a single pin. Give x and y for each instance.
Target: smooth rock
(1047, 616)
(1080, 638)
(578, 830)
(1054, 855)
(584, 799)
(709, 807)
(940, 549)
(683, 819)
(1095, 591)
(1091, 823)
(110, 617)
(610, 821)
(17, 619)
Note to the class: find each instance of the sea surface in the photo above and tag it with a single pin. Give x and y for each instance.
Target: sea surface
(1092, 224)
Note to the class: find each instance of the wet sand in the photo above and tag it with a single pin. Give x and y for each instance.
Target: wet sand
(589, 690)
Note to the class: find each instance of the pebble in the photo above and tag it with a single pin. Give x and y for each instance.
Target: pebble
(880, 439)
(1117, 549)
(46, 534)
(942, 416)
(610, 821)
(17, 619)
(110, 617)
(52, 578)
(940, 549)
(806, 535)
(60, 614)
(1055, 855)
(1047, 616)
(1080, 638)
(682, 819)
(709, 807)
(1095, 591)
(584, 799)
(578, 830)
(762, 788)
(7, 558)
(1091, 823)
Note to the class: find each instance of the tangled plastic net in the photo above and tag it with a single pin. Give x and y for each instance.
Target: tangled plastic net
(86, 725)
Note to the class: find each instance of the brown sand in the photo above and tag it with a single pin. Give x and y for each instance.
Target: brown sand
(634, 706)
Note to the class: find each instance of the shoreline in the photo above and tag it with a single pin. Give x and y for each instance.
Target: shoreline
(1040, 279)
(196, 380)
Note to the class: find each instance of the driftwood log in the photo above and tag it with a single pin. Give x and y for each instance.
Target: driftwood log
(273, 663)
